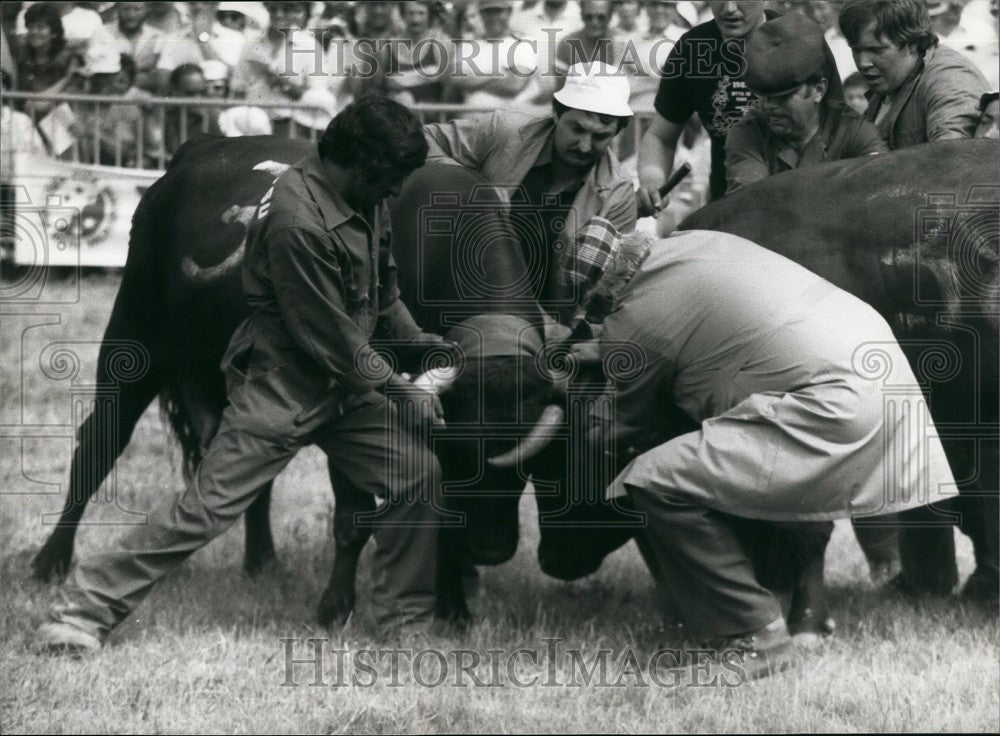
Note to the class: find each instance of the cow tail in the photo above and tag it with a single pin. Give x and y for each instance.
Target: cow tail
(173, 410)
(143, 301)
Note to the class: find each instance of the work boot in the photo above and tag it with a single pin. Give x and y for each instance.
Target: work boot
(766, 651)
(57, 637)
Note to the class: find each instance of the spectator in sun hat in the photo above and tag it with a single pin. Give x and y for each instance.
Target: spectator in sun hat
(322, 107)
(800, 118)
(116, 129)
(561, 164)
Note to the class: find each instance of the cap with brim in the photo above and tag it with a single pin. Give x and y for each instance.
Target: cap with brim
(596, 87)
(214, 70)
(493, 4)
(782, 54)
(324, 104)
(101, 59)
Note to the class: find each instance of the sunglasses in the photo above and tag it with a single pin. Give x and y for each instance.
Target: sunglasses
(594, 16)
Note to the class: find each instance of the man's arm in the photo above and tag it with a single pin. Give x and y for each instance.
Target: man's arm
(312, 299)
(656, 161)
(951, 103)
(620, 207)
(745, 162)
(466, 141)
(395, 320)
(866, 141)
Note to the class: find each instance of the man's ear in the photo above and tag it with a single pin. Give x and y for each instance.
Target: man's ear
(821, 87)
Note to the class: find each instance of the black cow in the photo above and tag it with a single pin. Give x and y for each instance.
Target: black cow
(181, 299)
(916, 234)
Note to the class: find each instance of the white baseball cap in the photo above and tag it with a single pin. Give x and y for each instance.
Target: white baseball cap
(214, 70)
(101, 59)
(325, 107)
(596, 87)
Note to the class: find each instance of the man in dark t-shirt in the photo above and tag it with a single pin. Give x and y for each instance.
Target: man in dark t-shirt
(704, 75)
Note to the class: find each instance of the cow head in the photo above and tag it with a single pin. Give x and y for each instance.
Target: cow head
(501, 407)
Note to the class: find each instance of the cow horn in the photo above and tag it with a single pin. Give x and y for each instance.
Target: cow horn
(437, 380)
(541, 434)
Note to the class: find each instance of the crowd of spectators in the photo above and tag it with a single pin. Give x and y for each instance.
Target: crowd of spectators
(255, 57)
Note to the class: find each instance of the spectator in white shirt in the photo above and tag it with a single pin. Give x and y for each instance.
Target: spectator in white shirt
(130, 34)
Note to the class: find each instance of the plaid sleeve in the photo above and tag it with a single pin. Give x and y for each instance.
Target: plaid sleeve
(590, 255)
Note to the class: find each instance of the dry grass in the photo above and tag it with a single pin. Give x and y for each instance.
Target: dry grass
(203, 654)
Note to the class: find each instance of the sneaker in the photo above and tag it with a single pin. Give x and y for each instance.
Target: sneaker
(64, 638)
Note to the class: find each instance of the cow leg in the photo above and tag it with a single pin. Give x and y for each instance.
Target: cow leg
(259, 549)
(788, 560)
(980, 521)
(452, 565)
(927, 551)
(878, 538)
(337, 601)
(102, 437)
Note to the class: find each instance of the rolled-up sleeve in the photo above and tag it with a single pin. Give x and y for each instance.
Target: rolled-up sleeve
(621, 207)
(311, 297)
(466, 141)
(745, 162)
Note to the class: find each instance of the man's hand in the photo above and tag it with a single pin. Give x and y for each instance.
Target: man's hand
(649, 202)
(416, 408)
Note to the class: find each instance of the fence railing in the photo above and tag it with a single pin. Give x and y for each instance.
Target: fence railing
(144, 132)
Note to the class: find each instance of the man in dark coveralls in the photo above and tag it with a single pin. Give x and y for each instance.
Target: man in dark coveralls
(318, 274)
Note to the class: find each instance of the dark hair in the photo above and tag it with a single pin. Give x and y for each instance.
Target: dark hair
(903, 22)
(182, 71)
(376, 133)
(987, 99)
(48, 13)
(559, 108)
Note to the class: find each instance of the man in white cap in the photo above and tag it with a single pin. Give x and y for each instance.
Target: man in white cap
(558, 170)
(130, 34)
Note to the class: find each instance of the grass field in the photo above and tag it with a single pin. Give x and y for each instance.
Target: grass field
(204, 654)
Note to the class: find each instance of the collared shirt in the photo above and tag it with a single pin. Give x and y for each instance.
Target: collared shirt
(504, 147)
(319, 274)
(542, 222)
(753, 152)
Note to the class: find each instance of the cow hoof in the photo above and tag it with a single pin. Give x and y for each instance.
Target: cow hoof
(255, 564)
(811, 622)
(454, 612)
(982, 588)
(334, 609)
(49, 565)
(807, 641)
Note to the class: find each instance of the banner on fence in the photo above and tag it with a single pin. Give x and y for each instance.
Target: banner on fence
(66, 214)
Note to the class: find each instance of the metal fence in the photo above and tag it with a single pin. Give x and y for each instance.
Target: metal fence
(143, 132)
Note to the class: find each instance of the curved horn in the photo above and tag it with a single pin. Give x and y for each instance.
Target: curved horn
(437, 380)
(541, 434)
